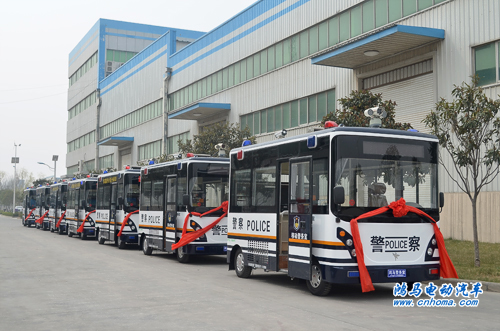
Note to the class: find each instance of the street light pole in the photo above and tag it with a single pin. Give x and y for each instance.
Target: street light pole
(15, 160)
(55, 158)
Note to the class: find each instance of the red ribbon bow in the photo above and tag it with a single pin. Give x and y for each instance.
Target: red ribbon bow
(399, 209)
(192, 236)
(60, 219)
(80, 229)
(40, 220)
(29, 214)
(125, 220)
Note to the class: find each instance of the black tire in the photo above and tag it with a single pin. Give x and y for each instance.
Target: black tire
(51, 228)
(181, 256)
(59, 230)
(29, 224)
(145, 248)
(317, 285)
(120, 243)
(100, 239)
(242, 270)
(70, 234)
(83, 236)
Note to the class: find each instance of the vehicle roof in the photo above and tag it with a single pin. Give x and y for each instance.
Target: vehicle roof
(319, 133)
(194, 159)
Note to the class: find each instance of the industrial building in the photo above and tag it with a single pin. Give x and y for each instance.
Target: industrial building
(135, 90)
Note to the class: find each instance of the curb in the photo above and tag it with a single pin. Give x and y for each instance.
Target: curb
(486, 286)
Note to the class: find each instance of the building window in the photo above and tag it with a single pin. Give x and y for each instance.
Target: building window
(487, 63)
(172, 142)
(83, 69)
(291, 114)
(149, 151)
(107, 161)
(137, 117)
(82, 141)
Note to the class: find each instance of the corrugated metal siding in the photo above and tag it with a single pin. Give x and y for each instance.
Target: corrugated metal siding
(414, 97)
(289, 24)
(398, 74)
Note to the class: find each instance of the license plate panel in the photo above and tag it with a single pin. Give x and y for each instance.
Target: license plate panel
(396, 273)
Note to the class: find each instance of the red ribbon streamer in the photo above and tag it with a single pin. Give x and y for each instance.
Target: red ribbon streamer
(80, 229)
(60, 219)
(192, 236)
(125, 220)
(399, 208)
(40, 220)
(29, 214)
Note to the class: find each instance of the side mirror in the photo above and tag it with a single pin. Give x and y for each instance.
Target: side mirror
(120, 201)
(185, 199)
(441, 199)
(338, 195)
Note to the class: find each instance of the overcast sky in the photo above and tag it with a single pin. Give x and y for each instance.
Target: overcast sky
(36, 38)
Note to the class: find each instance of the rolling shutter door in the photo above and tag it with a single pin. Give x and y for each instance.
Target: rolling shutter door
(411, 87)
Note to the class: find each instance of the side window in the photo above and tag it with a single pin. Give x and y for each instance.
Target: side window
(100, 199)
(264, 187)
(181, 189)
(320, 186)
(146, 195)
(157, 195)
(106, 197)
(240, 195)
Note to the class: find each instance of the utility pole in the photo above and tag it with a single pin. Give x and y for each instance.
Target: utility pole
(15, 160)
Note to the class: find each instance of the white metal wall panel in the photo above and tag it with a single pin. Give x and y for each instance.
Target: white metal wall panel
(414, 97)
(289, 24)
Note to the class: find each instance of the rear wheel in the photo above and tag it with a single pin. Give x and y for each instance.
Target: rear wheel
(145, 247)
(241, 269)
(317, 285)
(181, 256)
(121, 243)
(100, 239)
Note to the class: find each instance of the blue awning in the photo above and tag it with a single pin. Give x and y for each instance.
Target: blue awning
(116, 141)
(390, 41)
(200, 111)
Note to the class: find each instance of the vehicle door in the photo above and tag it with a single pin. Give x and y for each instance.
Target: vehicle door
(300, 218)
(170, 211)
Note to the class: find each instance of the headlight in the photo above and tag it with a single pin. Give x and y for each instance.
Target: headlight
(429, 251)
(353, 253)
(348, 242)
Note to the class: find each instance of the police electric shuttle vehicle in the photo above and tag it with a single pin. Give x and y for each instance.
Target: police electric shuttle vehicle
(117, 216)
(29, 206)
(57, 207)
(80, 208)
(184, 207)
(292, 202)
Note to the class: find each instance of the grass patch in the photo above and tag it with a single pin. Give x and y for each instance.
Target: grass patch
(8, 213)
(462, 256)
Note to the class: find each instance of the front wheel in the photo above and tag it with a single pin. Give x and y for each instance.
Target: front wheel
(83, 236)
(317, 285)
(181, 256)
(59, 230)
(145, 247)
(241, 269)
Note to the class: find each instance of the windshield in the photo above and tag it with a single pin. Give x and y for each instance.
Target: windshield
(91, 194)
(132, 192)
(377, 171)
(208, 185)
